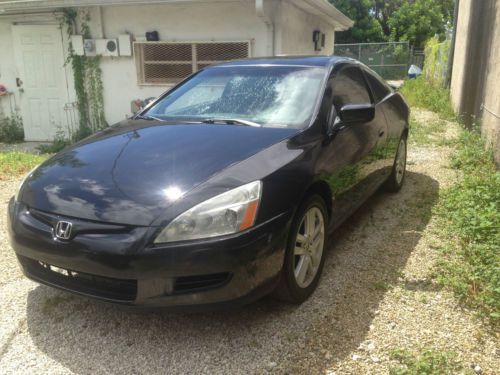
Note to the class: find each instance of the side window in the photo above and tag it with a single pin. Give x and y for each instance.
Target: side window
(349, 87)
(379, 88)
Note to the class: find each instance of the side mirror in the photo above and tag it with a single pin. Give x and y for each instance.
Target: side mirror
(333, 121)
(351, 113)
(394, 87)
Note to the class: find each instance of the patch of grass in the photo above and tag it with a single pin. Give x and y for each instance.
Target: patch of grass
(423, 94)
(425, 134)
(16, 164)
(469, 214)
(429, 362)
(381, 285)
(471, 156)
(11, 130)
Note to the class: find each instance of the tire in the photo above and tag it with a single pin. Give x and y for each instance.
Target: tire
(301, 273)
(395, 181)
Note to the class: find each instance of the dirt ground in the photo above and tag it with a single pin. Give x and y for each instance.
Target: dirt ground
(377, 294)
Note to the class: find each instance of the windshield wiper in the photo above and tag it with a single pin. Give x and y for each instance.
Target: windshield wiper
(148, 118)
(231, 121)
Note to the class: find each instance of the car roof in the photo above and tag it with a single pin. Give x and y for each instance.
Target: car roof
(312, 61)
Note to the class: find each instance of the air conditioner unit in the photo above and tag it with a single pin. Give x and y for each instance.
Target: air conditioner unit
(89, 47)
(106, 47)
(125, 44)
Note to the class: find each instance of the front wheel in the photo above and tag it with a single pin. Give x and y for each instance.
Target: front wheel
(304, 257)
(396, 179)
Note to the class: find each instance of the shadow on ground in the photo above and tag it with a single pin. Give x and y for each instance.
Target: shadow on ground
(366, 258)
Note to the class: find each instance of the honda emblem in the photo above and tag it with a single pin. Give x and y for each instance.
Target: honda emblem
(63, 230)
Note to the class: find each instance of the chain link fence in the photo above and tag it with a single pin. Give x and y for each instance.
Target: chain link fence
(390, 60)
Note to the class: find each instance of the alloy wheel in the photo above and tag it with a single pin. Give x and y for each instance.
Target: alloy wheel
(401, 162)
(309, 244)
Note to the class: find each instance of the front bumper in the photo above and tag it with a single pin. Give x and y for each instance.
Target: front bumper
(122, 267)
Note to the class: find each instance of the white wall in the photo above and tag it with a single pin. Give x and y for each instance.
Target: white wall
(8, 70)
(174, 22)
(296, 29)
(226, 21)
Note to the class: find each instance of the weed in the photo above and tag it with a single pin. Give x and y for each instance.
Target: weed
(16, 164)
(11, 129)
(429, 362)
(471, 156)
(422, 94)
(469, 214)
(59, 143)
(381, 285)
(424, 134)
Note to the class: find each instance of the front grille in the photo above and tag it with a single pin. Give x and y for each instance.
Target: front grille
(201, 282)
(88, 284)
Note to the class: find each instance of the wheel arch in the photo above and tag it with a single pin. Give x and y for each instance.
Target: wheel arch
(406, 131)
(322, 189)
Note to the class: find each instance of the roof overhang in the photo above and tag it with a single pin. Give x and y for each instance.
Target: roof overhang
(320, 8)
(17, 6)
(327, 12)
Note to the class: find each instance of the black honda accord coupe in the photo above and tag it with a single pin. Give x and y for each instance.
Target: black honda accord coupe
(222, 190)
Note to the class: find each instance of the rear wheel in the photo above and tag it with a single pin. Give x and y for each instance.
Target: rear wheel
(304, 256)
(396, 179)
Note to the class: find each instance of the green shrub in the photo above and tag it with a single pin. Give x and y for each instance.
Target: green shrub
(61, 140)
(421, 93)
(59, 143)
(470, 214)
(429, 362)
(11, 129)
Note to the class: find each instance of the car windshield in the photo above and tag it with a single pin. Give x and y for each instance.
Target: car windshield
(273, 96)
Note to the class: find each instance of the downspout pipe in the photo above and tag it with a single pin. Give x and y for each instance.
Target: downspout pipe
(268, 21)
(451, 57)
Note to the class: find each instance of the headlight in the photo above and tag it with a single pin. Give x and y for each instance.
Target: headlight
(16, 197)
(227, 213)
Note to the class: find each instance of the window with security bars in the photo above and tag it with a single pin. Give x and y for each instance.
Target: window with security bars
(167, 62)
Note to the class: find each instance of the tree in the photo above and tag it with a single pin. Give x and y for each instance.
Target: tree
(382, 11)
(414, 21)
(366, 29)
(417, 22)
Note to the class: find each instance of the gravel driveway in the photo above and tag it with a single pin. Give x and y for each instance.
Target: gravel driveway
(376, 295)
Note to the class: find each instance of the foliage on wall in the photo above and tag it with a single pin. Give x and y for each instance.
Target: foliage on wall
(87, 76)
(436, 61)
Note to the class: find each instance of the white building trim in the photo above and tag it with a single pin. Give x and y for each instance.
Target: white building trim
(321, 8)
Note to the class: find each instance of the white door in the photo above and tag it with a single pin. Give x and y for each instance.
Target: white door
(39, 57)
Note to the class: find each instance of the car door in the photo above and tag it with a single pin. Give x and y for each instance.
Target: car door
(383, 95)
(351, 158)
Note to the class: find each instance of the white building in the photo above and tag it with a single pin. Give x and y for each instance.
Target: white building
(192, 34)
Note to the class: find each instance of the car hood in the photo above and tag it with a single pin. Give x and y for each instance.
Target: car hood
(130, 173)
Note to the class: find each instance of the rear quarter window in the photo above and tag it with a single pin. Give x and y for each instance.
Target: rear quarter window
(379, 88)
